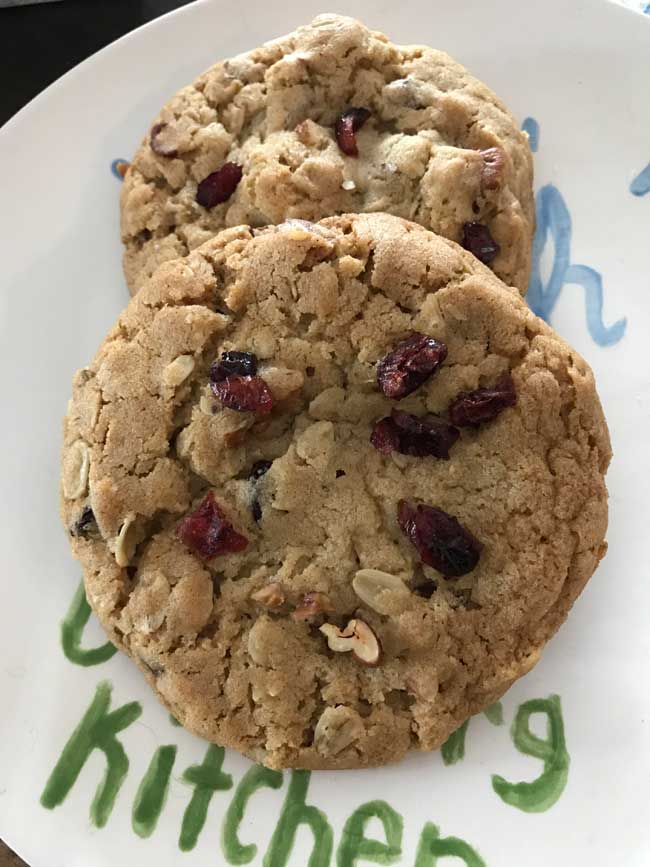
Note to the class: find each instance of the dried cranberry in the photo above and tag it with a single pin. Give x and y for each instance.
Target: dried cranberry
(208, 532)
(409, 365)
(157, 141)
(244, 394)
(385, 436)
(259, 469)
(478, 240)
(472, 408)
(414, 435)
(219, 186)
(239, 363)
(347, 125)
(441, 541)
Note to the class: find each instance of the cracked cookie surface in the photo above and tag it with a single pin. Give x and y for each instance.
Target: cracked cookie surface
(437, 147)
(158, 475)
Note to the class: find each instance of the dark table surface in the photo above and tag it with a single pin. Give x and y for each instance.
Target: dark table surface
(39, 43)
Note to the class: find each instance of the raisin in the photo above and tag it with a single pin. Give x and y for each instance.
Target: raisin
(347, 125)
(340, 474)
(414, 435)
(208, 532)
(410, 364)
(239, 363)
(472, 408)
(441, 541)
(219, 186)
(244, 394)
(478, 240)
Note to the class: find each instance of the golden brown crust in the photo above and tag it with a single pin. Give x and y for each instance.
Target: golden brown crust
(320, 305)
(273, 111)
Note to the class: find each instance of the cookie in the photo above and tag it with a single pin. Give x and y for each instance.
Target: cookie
(332, 119)
(333, 487)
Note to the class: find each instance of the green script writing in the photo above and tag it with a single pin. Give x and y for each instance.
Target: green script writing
(253, 779)
(453, 749)
(152, 792)
(355, 845)
(432, 846)
(207, 778)
(72, 629)
(543, 792)
(296, 812)
(96, 731)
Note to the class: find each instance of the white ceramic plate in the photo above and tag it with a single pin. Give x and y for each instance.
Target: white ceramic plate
(579, 72)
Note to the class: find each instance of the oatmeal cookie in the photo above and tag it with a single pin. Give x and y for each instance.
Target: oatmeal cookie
(333, 487)
(333, 118)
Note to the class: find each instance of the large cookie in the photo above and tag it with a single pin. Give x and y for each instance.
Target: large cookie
(291, 588)
(436, 146)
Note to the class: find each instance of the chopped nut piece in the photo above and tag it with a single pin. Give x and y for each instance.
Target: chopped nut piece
(308, 133)
(371, 585)
(492, 172)
(76, 466)
(126, 541)
(164, 140)
(207, 405)
(282, 381)
(271, 595)
(336, 729)
(357, 637)
(348, 184)
(312, 604)
(178, 370)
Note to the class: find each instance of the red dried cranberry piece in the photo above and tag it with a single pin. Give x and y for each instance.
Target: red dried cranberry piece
(409, 365)
(233, 363)
(156, 140)
(347, 124)
(385, 436)
(472, 408)
(219, 186)
(244, 394)
(414, 435)
(441, 541)
(478, 240)
(208, 532)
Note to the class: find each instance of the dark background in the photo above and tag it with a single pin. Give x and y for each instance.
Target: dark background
(39, 43)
